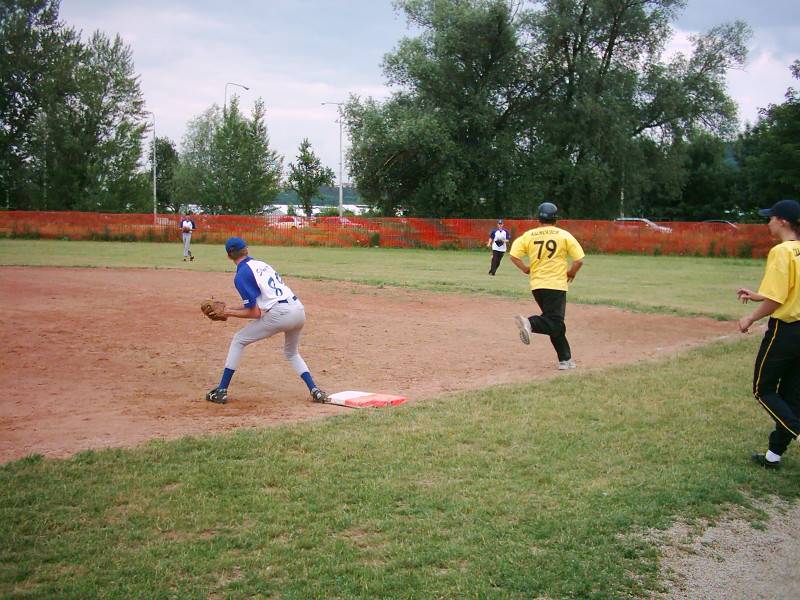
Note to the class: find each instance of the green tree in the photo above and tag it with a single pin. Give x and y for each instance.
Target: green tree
(307, 176)
(166, 166)
(226, 164)
(567, 100)
(769, 152)
(37, 56)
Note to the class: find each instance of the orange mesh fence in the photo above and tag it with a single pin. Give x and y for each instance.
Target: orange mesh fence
(692, 239)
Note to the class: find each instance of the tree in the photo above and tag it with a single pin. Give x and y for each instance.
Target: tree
(307, 176)
(769, 152)
(563, 100)
(36, 48)
(166, 166)
(226, 164)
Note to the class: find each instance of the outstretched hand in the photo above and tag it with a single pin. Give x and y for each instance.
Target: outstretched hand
(746, 295)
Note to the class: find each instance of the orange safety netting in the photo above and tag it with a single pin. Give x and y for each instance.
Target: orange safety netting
(693, 239)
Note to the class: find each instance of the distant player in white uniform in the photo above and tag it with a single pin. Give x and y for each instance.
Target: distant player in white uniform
(498, 243)
(273, 308)
(187, 226)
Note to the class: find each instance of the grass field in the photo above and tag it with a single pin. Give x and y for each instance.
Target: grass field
(540, 490)
(678, 285)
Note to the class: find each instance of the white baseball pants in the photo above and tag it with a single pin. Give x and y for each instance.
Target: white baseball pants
(288, 317)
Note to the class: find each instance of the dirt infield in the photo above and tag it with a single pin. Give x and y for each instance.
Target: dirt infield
(99, 357)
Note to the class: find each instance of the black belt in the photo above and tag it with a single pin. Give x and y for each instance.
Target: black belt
(287, 300)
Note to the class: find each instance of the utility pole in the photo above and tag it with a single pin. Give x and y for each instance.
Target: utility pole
(341, 165)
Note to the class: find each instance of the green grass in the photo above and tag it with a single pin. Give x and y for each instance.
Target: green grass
(678, 285)
(525, 491)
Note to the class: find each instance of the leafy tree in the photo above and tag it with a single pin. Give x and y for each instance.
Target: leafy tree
(226, 164)
(73, 131)
(166, 167)
(307, 176)
(38, 52)
(567, 100)
(769, 152)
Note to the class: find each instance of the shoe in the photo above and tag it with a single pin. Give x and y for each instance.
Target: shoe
(317, 395)
(191, 258)
(762, 461)
(524, 326)
(563, 365)
(217, 395)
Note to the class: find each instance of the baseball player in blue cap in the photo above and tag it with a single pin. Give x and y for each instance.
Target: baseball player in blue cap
(273, 308)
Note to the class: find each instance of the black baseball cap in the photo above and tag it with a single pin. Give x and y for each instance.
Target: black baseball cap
(783, 209)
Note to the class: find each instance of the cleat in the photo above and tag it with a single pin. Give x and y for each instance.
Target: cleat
(762, 461)
(563, 365)
(217, 395)
(317, 395)
(524, 326)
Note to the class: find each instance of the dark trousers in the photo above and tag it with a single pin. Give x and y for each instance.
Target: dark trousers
(553, 304)
(497, 256)
(776, 381)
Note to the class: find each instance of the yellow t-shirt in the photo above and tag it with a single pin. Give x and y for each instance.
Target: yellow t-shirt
(781, 281)
(547, 249)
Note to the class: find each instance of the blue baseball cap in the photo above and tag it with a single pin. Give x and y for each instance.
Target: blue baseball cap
(500, 221)
(235, 243)
(783, 209)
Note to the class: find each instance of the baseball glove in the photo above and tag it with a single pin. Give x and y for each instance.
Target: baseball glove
(214, 309)
(499, 242)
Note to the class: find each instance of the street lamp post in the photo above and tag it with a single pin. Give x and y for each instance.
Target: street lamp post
(225, 105)
(341, 192)
(155, 162)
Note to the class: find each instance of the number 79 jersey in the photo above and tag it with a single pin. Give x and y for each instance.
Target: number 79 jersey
(547, 249)
(259, 284)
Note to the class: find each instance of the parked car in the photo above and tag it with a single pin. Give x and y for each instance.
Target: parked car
(287, 222)
(641, 223)
(721, 225)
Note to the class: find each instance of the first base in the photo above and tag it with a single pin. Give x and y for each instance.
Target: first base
(355, 399)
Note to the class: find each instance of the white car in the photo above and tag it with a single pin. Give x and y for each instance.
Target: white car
(286, 222)
(638, 223)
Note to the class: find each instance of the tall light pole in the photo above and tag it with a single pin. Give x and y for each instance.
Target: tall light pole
(225, 106)
(341, 192)
(155, 162)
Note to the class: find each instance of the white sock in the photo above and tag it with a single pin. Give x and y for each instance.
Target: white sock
(772, 457)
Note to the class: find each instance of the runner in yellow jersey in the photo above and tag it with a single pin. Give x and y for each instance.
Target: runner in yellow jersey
(548, 249)
(776, 379)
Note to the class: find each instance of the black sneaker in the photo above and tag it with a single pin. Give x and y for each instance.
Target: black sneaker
(217, 395)
(317, 395)
(762, 461)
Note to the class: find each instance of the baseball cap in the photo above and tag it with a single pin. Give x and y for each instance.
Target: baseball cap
(235, 243)
(500, 221)
(783, 209)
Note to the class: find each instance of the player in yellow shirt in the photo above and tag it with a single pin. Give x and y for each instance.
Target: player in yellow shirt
(548, 249)
(776, 379)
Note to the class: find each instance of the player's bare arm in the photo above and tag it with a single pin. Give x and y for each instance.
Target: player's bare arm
(745, 295)
(520, 265)
(573, 270)
(766, 308)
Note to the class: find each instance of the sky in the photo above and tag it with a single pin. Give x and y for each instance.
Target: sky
(297, 54)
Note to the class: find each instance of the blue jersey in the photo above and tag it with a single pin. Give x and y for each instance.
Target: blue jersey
(259, 284)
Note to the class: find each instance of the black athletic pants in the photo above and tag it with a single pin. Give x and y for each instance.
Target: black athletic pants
(497, 256)
(553, 304)
(776, 381)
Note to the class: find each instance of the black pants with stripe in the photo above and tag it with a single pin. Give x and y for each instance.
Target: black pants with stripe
(551, 322)
(776, 381)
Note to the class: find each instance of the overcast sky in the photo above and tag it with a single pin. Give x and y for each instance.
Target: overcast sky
(296, 54)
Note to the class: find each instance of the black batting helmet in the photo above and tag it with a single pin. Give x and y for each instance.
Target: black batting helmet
(547, 211)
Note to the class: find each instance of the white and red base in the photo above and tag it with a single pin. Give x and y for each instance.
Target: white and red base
(353, 399)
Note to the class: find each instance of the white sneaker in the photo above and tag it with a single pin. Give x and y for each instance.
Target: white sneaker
(563, 365)
(524, 326)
